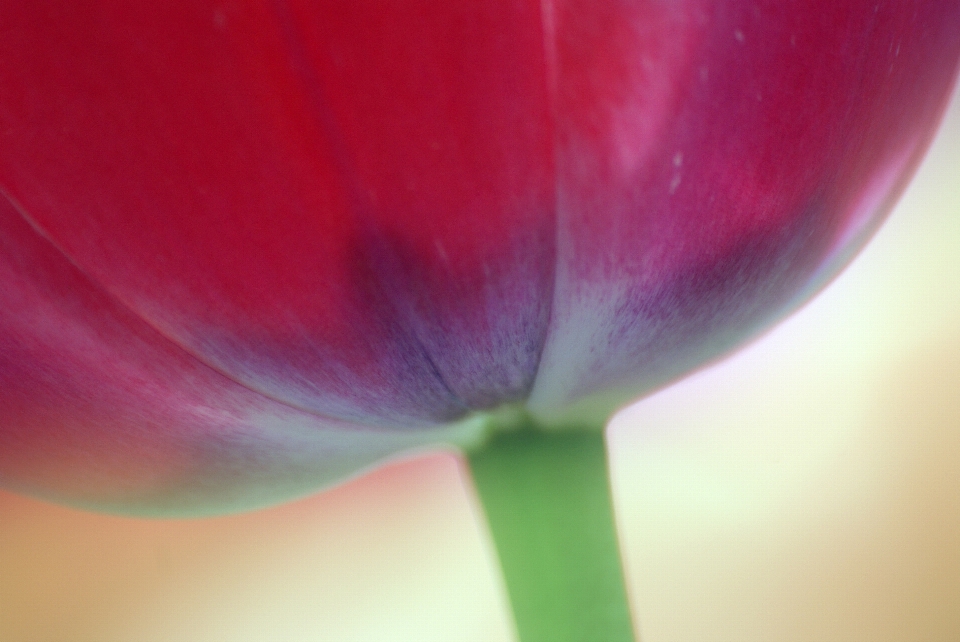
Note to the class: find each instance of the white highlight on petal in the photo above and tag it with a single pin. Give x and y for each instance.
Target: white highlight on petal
(578, 335)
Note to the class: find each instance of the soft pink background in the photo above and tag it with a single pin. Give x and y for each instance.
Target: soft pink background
(806, 489)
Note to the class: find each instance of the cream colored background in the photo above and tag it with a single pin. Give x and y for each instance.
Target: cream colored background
(806, 489)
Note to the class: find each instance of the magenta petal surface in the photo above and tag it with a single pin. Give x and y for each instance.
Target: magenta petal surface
(344, 205)
(98, 409)
(717, 163)
(249, 248)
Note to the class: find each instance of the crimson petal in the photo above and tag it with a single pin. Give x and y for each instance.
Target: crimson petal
(718, 162)
(344, 205)
(98, 409)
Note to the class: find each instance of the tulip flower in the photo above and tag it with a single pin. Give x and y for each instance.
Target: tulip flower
(251, 248)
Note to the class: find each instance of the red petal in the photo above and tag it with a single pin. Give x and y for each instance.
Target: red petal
(98, 408)
(715, 159)
(345, 205)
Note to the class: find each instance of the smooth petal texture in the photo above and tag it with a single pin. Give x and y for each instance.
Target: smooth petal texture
(98, 409)
(250, 247)
(347, 207)
(717, 163)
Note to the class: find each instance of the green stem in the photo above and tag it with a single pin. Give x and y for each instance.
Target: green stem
(547, 501)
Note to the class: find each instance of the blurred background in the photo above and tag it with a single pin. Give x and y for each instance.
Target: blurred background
(808, 488)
